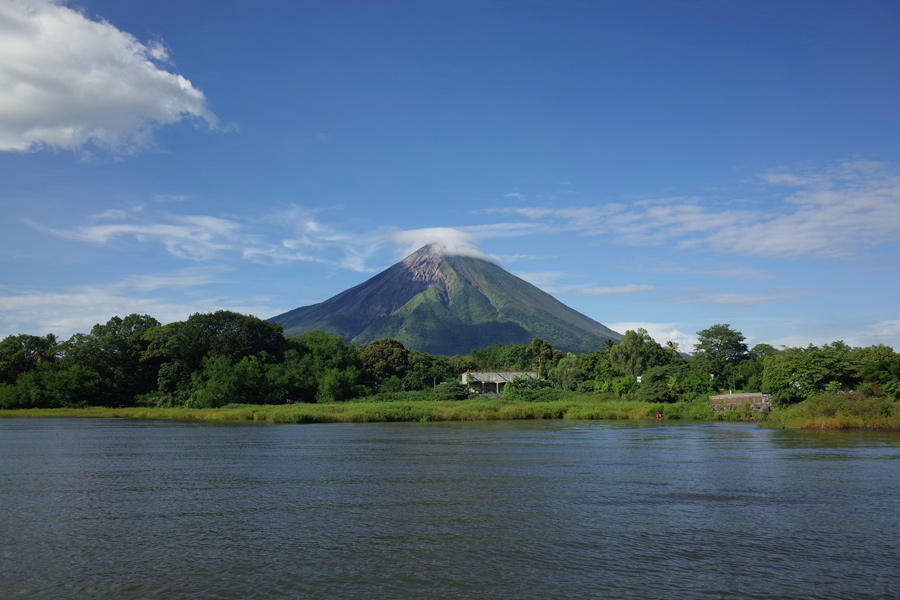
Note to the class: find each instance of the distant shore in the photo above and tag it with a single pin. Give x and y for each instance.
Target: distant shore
(815, 413)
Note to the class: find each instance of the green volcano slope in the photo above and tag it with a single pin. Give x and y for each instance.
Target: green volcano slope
(448, 305)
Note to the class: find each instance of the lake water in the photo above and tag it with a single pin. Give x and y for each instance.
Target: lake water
(511, 510)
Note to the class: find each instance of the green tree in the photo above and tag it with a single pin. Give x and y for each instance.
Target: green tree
(721, 342)
(316, 367)
(21, 353)
(762, 350)
(115, 351)
(797, 373)
(384, 358)
(427, 370)
(542, 356)
(336, 385)
(489, 358)
(720, 348)
(223, 382)
(566, 374)
(608, 345)
(876, 364)
(673, 348)
(658, 384)
(636, 353)
(181, 347)
(52, 386)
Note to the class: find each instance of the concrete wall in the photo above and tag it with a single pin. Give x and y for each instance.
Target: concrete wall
(757, 402)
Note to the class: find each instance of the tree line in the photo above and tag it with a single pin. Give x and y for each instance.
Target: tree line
(214, 359)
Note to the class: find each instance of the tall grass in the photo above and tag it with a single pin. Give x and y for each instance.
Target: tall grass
(837, 411)
(575, 407)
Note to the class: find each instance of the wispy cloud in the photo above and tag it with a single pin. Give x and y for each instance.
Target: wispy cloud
(289, 235)
(544, 279)
(833, 211)
(736, 271)
(67, 81)
(183, 279)
(550, 281)
(603, 290)
(76, 309)
(885, 332)
(735, 299)
(197, 237)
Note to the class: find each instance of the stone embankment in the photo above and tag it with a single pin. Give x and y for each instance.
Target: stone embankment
(757, 402)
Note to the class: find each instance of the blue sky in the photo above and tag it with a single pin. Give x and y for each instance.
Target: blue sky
(666, 165)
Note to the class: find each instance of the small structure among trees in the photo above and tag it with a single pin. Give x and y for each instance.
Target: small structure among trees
(492, 382)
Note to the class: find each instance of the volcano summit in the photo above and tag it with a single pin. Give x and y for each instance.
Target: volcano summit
(448, 304)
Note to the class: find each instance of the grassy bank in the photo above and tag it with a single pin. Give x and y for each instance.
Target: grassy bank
(371, 412)
(837, 411)
(846, 411)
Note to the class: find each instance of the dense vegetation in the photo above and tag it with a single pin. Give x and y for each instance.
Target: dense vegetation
(214, 360)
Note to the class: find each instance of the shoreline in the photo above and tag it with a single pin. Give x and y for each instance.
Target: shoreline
(481, 409)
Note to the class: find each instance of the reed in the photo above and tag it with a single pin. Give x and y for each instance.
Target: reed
(837, 411)
(575, 407)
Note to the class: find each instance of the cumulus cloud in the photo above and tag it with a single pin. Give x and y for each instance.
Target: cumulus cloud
(68, 82)
(443, 240)
(660, 332)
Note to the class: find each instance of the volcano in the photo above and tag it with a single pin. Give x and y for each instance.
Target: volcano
(448, 304)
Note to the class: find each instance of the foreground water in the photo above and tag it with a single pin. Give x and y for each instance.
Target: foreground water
(544, 510)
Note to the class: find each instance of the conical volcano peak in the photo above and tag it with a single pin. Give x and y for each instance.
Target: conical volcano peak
(425, 265)
(448, 299)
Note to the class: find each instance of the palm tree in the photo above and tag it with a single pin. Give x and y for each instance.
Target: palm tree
(45, 348)
(608, 344)
(673, 346)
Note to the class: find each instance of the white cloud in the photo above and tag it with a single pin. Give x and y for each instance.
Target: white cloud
(515, 195)
(829, 212)
(736, 271)
(603, 290)
(444, 240)
(544, 278)
(185, 278)
(76, 309)
(885, 332)
(286, 236)
(842, 211)
(660, 332)
(736, 299)
(68, 82)
(549, 282)
(197, 237)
